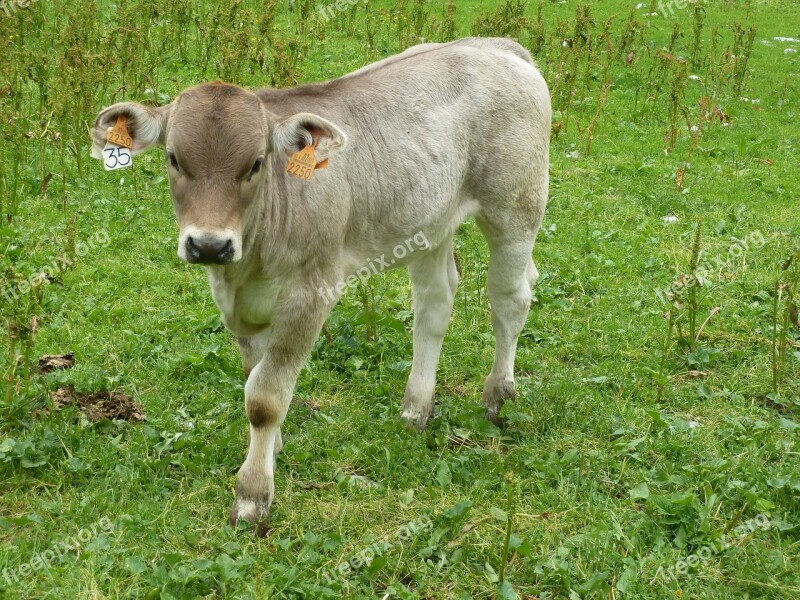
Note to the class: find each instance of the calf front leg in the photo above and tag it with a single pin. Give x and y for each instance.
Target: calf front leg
(268, 393)
(252, 349)
(434, 279)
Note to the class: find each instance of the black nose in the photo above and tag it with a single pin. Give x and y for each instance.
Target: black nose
(209, 252)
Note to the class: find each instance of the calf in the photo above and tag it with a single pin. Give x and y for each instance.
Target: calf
(404, 149)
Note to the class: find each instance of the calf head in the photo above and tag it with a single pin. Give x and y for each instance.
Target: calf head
(218, 139)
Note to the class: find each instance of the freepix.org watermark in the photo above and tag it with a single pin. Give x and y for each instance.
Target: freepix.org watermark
(707, 266)
(331, 293)
(725, 541)
(365, 556)
(47, 272)
(668, 8)
(56, 553)
(328, 11)
(9, 7)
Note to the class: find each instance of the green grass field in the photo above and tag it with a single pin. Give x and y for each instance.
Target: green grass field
(652, 451)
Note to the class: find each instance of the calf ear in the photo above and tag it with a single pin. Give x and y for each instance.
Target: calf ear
(147, 125)
(298, 131)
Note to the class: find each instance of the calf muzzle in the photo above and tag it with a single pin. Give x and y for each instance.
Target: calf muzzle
(209, 251)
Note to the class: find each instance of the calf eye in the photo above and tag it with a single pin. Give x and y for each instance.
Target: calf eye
(256, 167)
(173, 161)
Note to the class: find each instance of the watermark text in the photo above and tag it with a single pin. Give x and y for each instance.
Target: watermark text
(330, 293)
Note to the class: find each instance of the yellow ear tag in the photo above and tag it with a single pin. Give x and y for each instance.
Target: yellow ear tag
(303, 162)
(119, 135)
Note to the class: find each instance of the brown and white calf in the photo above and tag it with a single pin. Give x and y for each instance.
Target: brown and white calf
(415, 144)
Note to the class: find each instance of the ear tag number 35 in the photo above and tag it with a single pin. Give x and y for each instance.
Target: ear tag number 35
(117, 153)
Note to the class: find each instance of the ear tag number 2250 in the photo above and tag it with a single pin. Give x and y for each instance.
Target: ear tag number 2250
(117, 153)
(303, 163)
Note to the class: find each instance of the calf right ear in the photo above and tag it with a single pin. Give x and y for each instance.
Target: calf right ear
(147, 125)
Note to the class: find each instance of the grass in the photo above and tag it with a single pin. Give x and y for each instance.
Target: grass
(634, 444)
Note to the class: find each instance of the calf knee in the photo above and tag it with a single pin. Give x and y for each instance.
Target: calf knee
(265, 400)
(261, 412)
(512, 300)
(434, 318)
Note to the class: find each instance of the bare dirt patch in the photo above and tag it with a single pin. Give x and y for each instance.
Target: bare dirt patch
(56, 362)
(100, 405)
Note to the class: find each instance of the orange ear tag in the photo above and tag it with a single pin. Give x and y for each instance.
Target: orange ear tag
(119, 135)
(303, 162)
(117, 151)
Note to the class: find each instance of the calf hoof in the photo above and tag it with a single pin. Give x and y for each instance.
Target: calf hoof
(495, 393)
(496, 419)
(417, 410)
(415, 419)
(252, 509)
(253, 512)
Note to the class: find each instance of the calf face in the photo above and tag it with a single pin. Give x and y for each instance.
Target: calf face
(217, 138)
(216, 144)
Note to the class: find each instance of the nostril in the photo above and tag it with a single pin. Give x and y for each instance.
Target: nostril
(192, 248)
(226, 251)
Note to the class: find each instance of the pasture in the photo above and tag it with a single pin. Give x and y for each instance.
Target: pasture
(652, 451)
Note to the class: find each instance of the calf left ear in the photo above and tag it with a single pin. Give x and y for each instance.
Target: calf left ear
(298, 131)
(146, 125)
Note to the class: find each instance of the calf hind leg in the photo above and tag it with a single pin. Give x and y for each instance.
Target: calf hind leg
(511, 275)
(434, 279)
